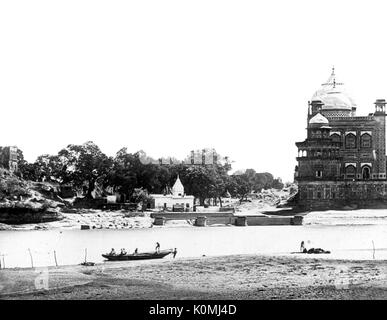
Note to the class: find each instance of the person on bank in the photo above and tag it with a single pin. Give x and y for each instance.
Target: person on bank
(302, 247)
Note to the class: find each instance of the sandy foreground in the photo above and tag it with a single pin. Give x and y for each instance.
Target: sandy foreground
(226, 277)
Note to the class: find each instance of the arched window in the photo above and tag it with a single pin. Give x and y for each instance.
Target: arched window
(366, 141)
(350, 141)
(335, 137)
(350, 172)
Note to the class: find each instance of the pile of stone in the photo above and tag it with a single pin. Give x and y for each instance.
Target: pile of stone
(5, 227)
(97, 219)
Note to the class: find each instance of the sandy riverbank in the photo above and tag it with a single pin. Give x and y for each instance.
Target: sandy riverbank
(227, 277)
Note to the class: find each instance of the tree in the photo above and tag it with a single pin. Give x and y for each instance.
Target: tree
(140, 196)
(27, 171)
(204, 182)
(239, 186)
(122, 177)
(51, 168)
(220, 181)
(131, 171)
(84, 164)
(277, 184)
(197, 182)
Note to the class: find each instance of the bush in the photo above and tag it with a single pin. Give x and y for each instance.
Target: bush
(12, 187)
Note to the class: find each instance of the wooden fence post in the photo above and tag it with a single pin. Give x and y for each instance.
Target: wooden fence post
(56, 262)
(373, 246)
(32, 261)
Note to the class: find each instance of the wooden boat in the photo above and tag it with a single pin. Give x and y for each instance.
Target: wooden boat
(138, 256)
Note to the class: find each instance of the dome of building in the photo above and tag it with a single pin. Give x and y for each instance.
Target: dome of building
(319, 119)
(337, 100)
(333, 95)
(178, 188)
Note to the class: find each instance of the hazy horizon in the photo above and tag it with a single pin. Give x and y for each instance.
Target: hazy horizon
(174, 76)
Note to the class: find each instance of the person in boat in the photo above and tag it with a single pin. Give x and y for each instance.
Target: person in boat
(112, 252)
(136, 251)
(157, 247)
(123, 252)
(174, 253)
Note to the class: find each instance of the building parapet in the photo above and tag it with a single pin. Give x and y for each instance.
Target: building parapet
(369, 118)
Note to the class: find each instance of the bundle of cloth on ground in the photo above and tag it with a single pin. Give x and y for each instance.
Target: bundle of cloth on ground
(311, 250)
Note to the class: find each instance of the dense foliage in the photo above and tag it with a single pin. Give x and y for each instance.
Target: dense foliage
(134, 175)
(11, 187)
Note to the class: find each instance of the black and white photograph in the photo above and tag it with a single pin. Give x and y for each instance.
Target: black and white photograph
(207, 151)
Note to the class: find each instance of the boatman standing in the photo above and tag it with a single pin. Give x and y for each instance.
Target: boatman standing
(157, 247)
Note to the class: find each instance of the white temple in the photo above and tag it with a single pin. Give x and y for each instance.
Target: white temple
(176, 199)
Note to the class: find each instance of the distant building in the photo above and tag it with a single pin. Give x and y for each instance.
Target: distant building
(203, 157)
(9, 158)
(176, 198)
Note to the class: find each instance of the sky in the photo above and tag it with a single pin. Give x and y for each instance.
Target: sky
(169, 77)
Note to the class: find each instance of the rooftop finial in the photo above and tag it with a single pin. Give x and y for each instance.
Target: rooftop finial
(332, 80)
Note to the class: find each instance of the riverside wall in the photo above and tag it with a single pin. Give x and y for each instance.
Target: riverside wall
(325, 195)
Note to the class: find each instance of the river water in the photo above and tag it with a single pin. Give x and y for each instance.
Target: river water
(347, 234)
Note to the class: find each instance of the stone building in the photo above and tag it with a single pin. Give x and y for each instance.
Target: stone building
(174, 199)
(9, 158)
(343, 159)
